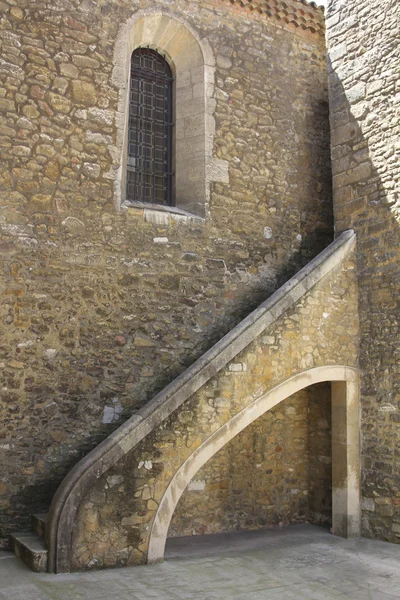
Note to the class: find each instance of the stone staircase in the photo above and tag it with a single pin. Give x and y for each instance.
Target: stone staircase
(30, 546)
(115, 506)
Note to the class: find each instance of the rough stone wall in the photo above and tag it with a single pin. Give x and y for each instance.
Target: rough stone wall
(99, 308)
(363, 51)
(114, 519)
(277, 471)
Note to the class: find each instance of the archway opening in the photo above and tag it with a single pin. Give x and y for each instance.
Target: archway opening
(277, 471)
(345, 451)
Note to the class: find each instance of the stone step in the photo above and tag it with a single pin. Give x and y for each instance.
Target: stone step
(29, 547)
(39, 524)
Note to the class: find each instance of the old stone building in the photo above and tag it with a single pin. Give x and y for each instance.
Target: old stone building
(364, 75)
(183, 350)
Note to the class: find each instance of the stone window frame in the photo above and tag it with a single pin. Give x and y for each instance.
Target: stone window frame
(193, 66)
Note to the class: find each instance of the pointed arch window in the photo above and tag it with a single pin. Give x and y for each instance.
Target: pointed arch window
(149, 159)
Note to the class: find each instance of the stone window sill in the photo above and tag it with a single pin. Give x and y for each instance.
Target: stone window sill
(162, 215)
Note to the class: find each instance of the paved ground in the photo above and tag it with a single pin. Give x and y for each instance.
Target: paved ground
(291, 563)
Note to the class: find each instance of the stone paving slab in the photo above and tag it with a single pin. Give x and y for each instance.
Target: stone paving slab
(288, 563)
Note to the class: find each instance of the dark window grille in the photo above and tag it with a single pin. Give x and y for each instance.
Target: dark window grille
(149, 168)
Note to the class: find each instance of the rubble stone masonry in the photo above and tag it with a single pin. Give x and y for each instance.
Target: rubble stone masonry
(285, 478)
(364, 81)
(102, 305)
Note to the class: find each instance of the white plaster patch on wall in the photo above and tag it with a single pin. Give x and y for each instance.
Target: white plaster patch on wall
(91, 170)
(99, 138)
(237, 367)
(25, 344)
(387, 407)
(218, 170)
(93, 562)
(307, 361)
(197, 486)
(50, 354)
(111, 413)
(257, 394)
(28, 242)
(157, 217)
(175, 218)
(267, 233)
(17, 230)
(147, 464)
(105, 117)
(220, 403)
(72, 220)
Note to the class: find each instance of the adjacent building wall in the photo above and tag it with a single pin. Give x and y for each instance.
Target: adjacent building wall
(364, 76)
(101, 307)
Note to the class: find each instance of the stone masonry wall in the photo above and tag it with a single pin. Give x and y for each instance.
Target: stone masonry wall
(114, 519)
(101, 308)
(277, 471)
(363, 51)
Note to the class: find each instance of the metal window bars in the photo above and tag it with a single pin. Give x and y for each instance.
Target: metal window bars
(149, 163)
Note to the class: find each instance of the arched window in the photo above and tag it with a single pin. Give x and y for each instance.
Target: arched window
(149, 157)
(170, 160)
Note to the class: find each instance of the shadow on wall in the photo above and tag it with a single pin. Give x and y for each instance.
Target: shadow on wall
(365, 199)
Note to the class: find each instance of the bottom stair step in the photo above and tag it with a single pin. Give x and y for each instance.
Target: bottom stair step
(39, 524)
(30, 548)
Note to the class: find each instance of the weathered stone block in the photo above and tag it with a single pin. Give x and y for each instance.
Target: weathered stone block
(59, 103)
(358, 174)
(83, 93)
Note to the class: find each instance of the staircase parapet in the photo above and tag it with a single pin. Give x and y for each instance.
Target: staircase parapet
(82, 477)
